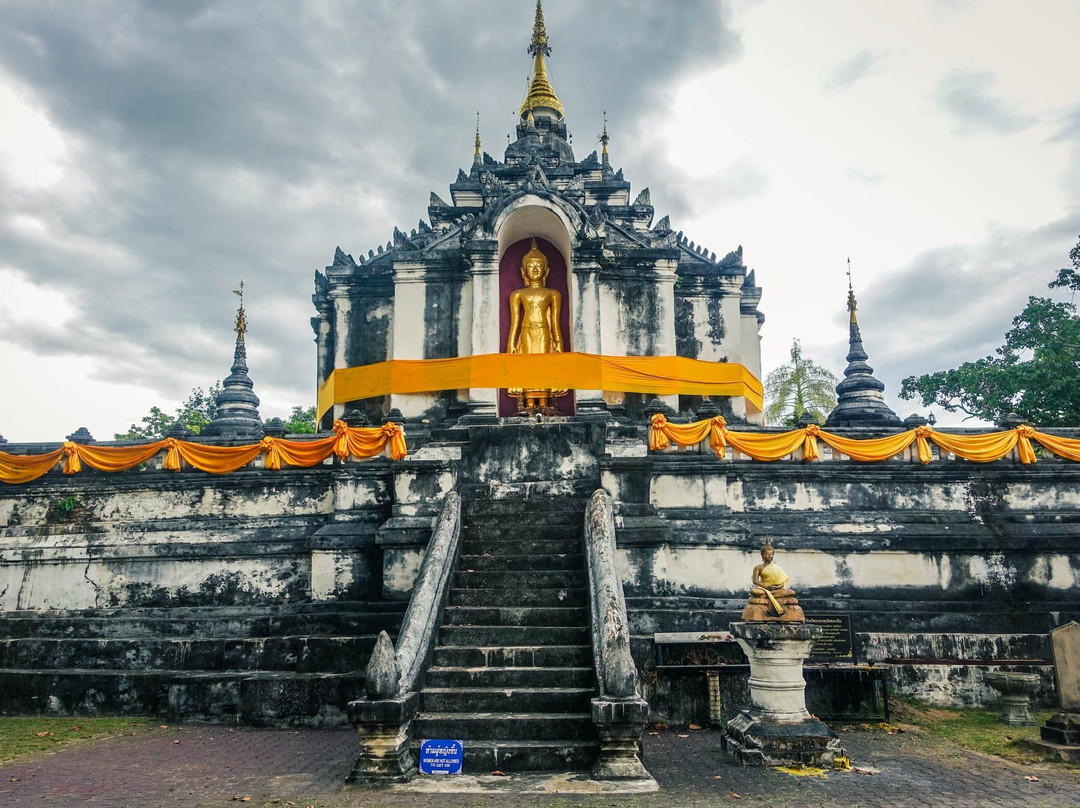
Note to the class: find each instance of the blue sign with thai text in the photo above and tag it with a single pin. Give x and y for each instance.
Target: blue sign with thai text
(441, 757)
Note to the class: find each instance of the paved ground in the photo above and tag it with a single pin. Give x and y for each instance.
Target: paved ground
(196, 766)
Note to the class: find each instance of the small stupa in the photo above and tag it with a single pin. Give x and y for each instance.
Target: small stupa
(860, 396)
(237, 414)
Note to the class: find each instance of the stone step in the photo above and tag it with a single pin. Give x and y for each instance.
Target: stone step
(482, 676)
(574, 596)
(558, 509)
(541, 616)
(505, 726)
(298, 654)
(500, 699)
(261, 622)
(474, 636)
(519, 580)
(507, 545)
(520, 529)
(514, 656)
(485, 756)
(510, 562)
(275, 698)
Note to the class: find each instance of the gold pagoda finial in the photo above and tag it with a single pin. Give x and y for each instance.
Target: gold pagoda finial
(539, 36)
(604, 137)
(477, 152)
(851, 304)
(241, 316)
(540, 92)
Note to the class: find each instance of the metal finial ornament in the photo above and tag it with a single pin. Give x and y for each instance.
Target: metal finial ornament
(241, 316)
(539, 41)
(477, 152)
(604, 139)
(852, 305)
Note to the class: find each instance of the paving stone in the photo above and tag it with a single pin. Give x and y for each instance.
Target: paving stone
(210, 765)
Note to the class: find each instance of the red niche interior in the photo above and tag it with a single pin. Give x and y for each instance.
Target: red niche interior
(509, 280)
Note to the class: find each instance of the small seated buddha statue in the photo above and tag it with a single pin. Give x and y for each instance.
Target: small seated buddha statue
(770, 598)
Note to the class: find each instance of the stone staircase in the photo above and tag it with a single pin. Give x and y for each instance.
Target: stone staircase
(269, 665)
(512, 672)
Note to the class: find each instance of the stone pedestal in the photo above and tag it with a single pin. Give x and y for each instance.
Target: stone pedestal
(1060, 736)
(385, 727)
(777, 730)
(619, 724)
(1015, 690)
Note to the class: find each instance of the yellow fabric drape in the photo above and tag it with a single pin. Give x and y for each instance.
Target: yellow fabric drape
(875, 449)
(24, 468)
(107, 458)
(659, 375)
(1062, 447)
(978, 448)
(662, 433)
(773, 446)
(345, 442)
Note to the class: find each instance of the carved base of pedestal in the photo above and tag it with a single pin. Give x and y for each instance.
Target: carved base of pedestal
(753, 742)
(385, 729)
(619, 724)
(1060, 736)
(764, 613)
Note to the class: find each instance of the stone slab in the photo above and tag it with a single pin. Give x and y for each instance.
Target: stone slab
(1065, 642)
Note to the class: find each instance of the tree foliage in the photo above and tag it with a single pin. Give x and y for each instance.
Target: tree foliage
(198, 411)
(195, 414)
(800, 386)
(301, 422)
(1035, 374)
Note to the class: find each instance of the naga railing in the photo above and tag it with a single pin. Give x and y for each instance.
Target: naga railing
(619, 713)
(384, 718)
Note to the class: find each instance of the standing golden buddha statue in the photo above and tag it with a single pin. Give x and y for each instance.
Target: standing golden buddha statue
(534, 327)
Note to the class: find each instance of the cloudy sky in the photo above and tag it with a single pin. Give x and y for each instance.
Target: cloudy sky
(154, 154)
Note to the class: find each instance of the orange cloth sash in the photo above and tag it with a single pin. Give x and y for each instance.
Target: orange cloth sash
(659, 375)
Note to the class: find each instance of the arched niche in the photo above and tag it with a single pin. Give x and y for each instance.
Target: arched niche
(515, 234)
(532, 216)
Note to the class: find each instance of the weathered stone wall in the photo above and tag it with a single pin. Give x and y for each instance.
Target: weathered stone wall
(156, 538)
(944, 569)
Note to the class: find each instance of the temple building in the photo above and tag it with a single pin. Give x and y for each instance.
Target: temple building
(630, 286)
(500, 536)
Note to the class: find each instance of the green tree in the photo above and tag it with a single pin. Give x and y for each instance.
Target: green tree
(1034, 374)
(195, 414)
(797, 387)
(301, 422)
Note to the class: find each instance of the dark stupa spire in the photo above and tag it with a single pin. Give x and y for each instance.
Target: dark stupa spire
(861, 400)
(237, 413)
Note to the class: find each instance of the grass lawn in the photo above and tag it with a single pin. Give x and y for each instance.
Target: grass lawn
(24, 735)
(977, 730)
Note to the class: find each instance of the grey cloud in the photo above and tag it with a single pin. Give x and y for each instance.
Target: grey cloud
(954, 304)
(967, 97)
(211, 146)
(1069, 129)
(853, 70)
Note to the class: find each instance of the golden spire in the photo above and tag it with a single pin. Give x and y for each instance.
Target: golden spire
(604, 138)
(540, 92)
(241, 317)
(477, 159)
(851, 296)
